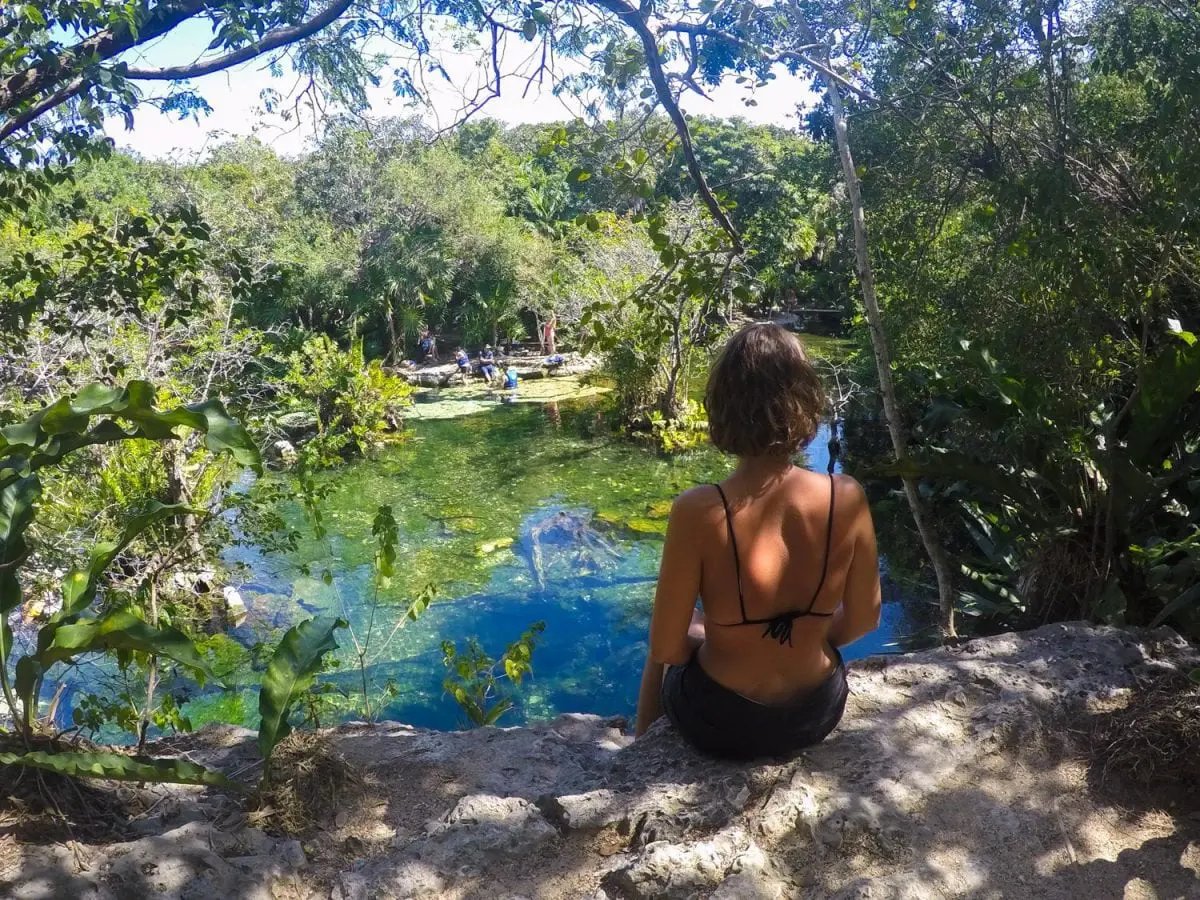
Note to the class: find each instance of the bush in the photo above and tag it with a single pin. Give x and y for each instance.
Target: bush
(356, 402)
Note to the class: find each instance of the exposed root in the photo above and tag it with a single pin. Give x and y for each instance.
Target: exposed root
(36, 805)
(306, 784)
(1155, 740)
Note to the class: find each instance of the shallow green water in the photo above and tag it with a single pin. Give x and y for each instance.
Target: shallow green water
(516, 513)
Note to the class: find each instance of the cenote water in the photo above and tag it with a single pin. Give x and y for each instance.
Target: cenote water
(515, 513)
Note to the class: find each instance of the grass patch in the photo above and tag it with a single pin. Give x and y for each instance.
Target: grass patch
(1155, 739)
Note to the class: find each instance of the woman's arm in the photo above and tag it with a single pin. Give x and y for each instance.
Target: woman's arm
(678, 583)
(861, 603)
(672, 641)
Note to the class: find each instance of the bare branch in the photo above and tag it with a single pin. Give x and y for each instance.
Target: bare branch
(658, 78)
(272, 39)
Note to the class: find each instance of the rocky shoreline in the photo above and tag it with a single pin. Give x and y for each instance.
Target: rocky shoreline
(529, 368)
(957, 772)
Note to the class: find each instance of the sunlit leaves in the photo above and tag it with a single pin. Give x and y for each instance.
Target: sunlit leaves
(292, 671)
(117, 767)
(475, 684)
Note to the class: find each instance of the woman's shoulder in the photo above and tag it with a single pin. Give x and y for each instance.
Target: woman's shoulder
(697, 505)
(811, 493)
(849, 489)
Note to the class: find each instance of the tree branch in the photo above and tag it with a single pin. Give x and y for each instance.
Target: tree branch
(658, 78)
(796, 55)
(272, 39)
(42, 106)
(23, 86)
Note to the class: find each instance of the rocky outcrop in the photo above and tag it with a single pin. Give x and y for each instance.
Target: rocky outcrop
(528, 368)
(949, 777)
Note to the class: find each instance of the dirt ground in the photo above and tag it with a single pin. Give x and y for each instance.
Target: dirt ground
(983, 771)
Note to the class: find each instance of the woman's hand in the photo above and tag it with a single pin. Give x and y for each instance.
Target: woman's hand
(649, 708)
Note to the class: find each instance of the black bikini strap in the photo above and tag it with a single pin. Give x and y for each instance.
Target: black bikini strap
(737, 563)
(825, 561)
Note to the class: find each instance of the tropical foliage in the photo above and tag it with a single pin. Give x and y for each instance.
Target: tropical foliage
(1013, 238)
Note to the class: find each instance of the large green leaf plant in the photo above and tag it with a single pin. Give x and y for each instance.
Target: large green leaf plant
(96, 415)
(1100, 507)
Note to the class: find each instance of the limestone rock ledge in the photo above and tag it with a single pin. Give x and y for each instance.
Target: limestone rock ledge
(947, 778)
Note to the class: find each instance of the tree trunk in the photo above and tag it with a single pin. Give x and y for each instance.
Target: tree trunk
(887, 390)
(151, 674)
(178, 492)
(396, 353)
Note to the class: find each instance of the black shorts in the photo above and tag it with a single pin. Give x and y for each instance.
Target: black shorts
(720, 722)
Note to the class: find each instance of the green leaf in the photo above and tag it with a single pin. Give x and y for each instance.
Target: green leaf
(118, 767)
(62, 426)
(18, 505)
(1168, 382)
(120, 630)
(1188, 598)
(417, 608)
(79, 586)
(494, 714)
(291, 672)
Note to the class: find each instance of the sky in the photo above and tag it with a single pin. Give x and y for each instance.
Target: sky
(237, 108)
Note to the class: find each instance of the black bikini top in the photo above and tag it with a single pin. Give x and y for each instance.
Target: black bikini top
(779, 626)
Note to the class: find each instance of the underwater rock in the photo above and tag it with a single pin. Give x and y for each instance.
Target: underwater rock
(492, 546)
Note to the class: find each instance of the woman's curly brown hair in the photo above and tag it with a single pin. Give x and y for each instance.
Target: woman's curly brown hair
(764, 398)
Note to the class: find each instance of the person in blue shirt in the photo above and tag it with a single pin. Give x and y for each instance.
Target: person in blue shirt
(487, 363)
(428, 345)
(510, 379)
(464, 363)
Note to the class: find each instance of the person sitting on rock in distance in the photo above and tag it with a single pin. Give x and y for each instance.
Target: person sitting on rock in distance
(464, 363)
(487, 363)
(783, 561)
(428, 345)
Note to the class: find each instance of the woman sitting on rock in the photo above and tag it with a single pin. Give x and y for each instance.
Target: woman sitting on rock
(782, 559)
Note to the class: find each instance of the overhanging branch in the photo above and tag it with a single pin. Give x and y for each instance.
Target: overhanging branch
(795, 55)
(278, 38)
(658, 78)
(22, 87)
(42, 106)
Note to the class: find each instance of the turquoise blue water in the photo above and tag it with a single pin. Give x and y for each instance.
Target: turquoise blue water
(577, 515)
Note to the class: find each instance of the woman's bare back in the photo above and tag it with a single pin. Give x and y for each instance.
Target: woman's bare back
(795, 563)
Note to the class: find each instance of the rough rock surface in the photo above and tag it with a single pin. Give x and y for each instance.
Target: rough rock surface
(947, 778)
(528, 368)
